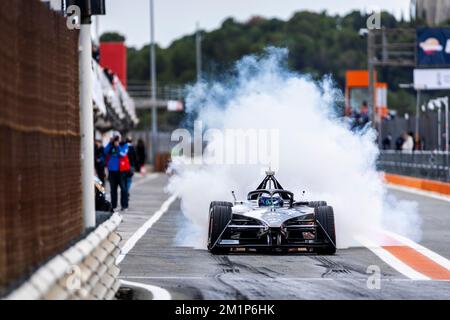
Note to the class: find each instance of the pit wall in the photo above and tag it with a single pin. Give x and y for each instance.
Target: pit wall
(40, 181)
(87, 270)
(417, 183)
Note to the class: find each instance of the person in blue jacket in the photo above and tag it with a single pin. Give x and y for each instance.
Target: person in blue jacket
(113, 152)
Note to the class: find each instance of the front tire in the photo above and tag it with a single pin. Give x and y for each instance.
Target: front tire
(327, 233)
(315, 204)
(220, 203)
(219, 217)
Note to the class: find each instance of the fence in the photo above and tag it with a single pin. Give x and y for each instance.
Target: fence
(428, 129)
(40, 198)
(434, 165)
(86, 270)
(164, 91)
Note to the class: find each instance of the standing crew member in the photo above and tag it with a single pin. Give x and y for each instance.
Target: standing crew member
(408, 143)
(132, 157)
(141, 155)
(99, 155)
(115, 151)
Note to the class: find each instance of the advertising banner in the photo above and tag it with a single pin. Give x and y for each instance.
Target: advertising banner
(433, 46)
(431, 79)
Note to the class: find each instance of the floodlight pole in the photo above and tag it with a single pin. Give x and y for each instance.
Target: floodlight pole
(153, 84)
(446, 134)
(371, 70)
(438, 102)
(418, 92)
(86, 123)
(198, 51)
(97, 29)
(445, 100)
(439, 129)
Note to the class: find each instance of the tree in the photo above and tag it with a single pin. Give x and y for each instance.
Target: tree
(112, 37)
(319, 44)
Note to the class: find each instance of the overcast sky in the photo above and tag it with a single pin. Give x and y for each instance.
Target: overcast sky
(175, 18)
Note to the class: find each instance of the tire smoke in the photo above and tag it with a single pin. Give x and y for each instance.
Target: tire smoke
(316, 152)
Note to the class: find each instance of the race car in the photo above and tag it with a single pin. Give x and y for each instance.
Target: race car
(270, 219)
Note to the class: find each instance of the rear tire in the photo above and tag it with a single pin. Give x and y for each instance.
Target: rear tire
(315, 204)
(325, 217)
(219, 217)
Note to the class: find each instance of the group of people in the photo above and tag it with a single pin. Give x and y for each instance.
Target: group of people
(122, 160)
(404, 142)
(360, 117)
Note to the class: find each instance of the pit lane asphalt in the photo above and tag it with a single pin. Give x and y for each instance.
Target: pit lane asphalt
(189, 273)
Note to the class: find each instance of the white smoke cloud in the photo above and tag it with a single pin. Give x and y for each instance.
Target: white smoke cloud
(317, 151)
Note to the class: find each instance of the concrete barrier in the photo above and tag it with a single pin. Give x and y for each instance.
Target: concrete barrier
(417, 183)
(87, 270)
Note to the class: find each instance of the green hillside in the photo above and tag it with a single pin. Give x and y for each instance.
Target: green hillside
(318, 43)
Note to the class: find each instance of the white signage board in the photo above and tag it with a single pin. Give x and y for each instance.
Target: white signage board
(174, 105)
(431, 79)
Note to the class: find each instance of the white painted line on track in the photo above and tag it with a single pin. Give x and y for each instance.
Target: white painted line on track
(429, 194)
(131, 242)
(391, 260)
(421, 249)
(157, 292)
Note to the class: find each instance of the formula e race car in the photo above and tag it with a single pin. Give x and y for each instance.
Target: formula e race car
(271, 220)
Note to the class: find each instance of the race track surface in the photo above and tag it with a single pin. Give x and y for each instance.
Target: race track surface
(187, 273)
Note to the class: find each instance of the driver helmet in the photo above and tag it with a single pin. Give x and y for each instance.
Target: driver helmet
(266, 201)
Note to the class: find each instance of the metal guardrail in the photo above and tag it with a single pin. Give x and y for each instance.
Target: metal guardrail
(164, 91)
(434, 165)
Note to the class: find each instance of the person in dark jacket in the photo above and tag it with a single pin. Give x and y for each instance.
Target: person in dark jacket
(132, 156)
(113, 152)
(387, 141)
(398, 143)
(99, 157)
(141, 155)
